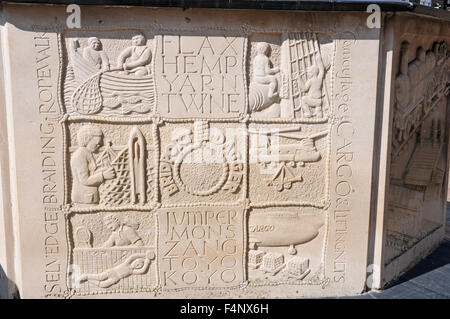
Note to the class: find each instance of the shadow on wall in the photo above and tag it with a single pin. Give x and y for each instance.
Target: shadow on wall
(438, 259)
(448, 193)
(8, 289)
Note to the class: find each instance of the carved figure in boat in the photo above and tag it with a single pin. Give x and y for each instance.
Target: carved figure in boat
(95, 87)
(136, 58)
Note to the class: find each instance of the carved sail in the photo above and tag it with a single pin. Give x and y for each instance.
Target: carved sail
(82, 70)
(425, 158)
(258, 99)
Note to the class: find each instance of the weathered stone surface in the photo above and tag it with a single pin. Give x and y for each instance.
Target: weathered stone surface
(417, 165)
(158, 153)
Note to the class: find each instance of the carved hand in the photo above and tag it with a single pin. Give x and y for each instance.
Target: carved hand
(74, 44)
(109, 173)
(119, 67)
(319, 61)
(301, 83)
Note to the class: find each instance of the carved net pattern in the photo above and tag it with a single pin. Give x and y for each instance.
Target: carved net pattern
(118, 190)
(87, 98)
(297, 265)
(255, 256)
(98, 260)
(272, 261)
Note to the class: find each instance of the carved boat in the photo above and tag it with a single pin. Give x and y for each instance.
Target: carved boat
(112, 89)
(90, 96)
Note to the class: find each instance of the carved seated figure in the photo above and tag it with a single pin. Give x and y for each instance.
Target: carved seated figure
(85, 174)
(262, 71)
(264, 88)
(313, 88)
(136, 58)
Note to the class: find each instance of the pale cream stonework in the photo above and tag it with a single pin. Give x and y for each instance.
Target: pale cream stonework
(215, 153)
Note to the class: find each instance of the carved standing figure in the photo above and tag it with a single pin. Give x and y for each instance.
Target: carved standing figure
(136, 58)
(122, 233)
(402, 94)
(85, 173)
(313, 86)
(402, 82)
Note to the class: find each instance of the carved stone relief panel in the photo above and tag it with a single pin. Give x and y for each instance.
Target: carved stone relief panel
(286, 245)
(203, 162)
(109, 74)
(224, 155)
(113, 251)
(111, 165)
(419, 145)
(289, 163)
(290, 75)
(202, 247)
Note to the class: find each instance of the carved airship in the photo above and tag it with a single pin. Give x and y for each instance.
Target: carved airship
(283, 228)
